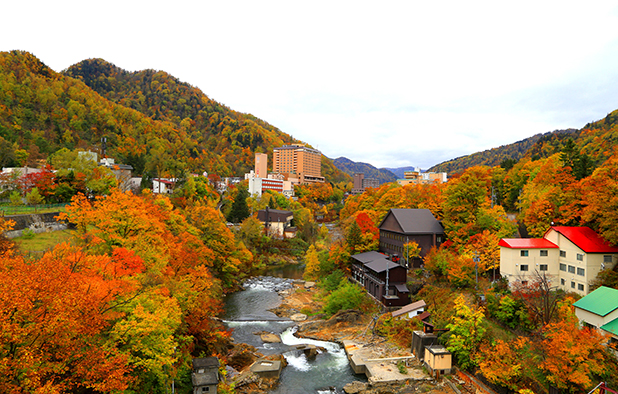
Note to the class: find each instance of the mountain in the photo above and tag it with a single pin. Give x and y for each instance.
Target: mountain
(350, 167)
(151, 120)
(399, 171)
(505, 153)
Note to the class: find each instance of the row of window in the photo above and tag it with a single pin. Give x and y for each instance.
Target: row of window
(571, 269)
(579, 256)
(580, 286)
(524, 267)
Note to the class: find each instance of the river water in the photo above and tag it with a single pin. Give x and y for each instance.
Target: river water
(247, 313)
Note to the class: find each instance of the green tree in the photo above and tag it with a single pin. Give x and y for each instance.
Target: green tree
(347, 296)
(467, 332)
(240, 209)
(34, 197)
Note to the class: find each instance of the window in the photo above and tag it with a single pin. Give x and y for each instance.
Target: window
(524, 267)
(543, 253)
(581, 271)
(543, 267)
(580, 257)
(562, 267)
(562, 281)
(572, 285)
(563, 253)
(580, 287)
(523, 253)
(607, 259)
(571, 269)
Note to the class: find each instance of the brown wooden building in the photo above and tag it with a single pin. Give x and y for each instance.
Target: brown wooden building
(401, 226)
(383, 279)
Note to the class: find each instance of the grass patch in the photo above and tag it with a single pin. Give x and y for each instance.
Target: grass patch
(43, 241)
(496, 331)
(28, 210)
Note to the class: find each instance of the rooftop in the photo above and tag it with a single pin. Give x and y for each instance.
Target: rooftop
(415, 221)
(586, 239)
(527, 243)
(602, 301)
(410, 308)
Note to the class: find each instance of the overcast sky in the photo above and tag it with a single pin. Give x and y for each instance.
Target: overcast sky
(391, 83)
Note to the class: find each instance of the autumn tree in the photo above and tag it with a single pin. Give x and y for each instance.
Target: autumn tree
(506, 363)
(47, 346)
(574, 359)
(312, 265)
(600, 200)
(540, 298)
(467, 332)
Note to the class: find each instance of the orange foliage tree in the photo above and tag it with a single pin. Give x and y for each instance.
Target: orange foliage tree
(54, 314)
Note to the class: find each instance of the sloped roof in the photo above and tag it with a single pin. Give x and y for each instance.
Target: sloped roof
(368, 257)
(602, 301)
(410, 308)
(586, 239)
(274, 215)
(381, 265)
(611, 327)
(527, 243)
(402, 288)
(415, 221)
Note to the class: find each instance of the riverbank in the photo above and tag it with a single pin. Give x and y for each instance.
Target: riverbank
(354, 330)
(277, 322)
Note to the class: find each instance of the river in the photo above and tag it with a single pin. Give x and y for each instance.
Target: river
(247, 313)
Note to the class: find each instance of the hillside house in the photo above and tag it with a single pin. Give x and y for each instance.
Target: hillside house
(163, 185)
(411, 310)
(277, 222)
(383, 279)
(599, 309)
(401, 226)
(205, 375)
(571, 257)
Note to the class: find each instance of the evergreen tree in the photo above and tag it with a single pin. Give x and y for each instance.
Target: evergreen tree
(240, 209)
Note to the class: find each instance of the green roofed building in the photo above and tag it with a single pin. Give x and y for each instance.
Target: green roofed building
(599, 309)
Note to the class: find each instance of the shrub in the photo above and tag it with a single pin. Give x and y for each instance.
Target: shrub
(332, 281)
(347, 296)
(27, 233)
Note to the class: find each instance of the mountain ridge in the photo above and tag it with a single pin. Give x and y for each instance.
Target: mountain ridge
(151, 120)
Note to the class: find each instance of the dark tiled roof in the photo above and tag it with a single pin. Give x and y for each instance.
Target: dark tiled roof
(368, 257)
(416, 221)
(274, 215)
(381, 265)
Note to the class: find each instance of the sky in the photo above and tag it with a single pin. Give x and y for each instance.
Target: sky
(392, 83)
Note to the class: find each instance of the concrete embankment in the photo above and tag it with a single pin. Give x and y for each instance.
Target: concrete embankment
(379, 370)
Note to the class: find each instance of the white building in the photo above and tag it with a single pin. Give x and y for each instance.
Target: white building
(571, 257)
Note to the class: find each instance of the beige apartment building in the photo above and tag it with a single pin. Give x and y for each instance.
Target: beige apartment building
(571, 257)
(419, 177)
(298, 161)
(261, 165)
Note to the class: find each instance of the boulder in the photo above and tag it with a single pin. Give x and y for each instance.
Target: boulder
(298, 317)
(309, 285)
(270, 338)
(355, 387)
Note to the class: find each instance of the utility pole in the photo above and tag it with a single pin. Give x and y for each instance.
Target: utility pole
(476, 269)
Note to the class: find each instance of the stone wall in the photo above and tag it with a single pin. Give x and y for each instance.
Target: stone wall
(38, 223)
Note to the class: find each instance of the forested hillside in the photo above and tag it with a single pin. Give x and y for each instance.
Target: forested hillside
(495, 156)
(151, 120)
(350, 167)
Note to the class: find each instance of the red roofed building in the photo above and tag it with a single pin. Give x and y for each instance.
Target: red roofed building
(571, 257)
